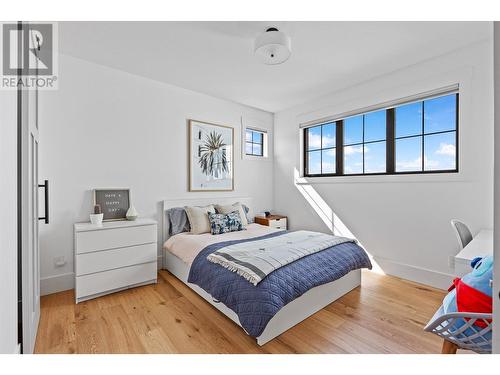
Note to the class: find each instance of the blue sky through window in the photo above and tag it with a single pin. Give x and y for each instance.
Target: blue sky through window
(353, 159)
(439, 151)
(254, 141)
(353, 130)
(375, 157)
(328, 161)
(440, 114)
(314, 162)
(409, 154)
(408, 119)
(375, 126)
(329, 131)
(314, 138)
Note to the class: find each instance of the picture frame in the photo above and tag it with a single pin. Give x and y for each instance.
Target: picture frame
(114, 202)
(211, 156)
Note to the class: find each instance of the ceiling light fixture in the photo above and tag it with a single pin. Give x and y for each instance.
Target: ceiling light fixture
(272, 47)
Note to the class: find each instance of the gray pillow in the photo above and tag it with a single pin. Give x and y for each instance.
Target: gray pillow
(247, 210)
(178, 220)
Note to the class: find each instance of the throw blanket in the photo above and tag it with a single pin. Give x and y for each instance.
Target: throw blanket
(256, 305)
(255, 260)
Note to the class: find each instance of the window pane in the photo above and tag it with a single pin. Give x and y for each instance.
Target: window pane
(257, 149)
(375, 126)
(257, 137)
(353, 159)
(440, 151)
(328, 136)
(440, 114)
(375, 157)
(328, 163)
(314, 162)
(353, 130)
(314, 138)
(408, 119)
(409, 154)
(248, 148)
(248, 136)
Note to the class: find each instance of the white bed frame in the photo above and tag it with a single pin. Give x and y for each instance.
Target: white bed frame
(291, 314)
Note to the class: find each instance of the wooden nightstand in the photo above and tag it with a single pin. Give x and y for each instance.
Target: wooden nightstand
(275, 221)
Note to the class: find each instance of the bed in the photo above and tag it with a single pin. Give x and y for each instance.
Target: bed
(184, 255)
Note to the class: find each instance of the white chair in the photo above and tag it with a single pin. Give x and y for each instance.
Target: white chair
(466, 335)
(462, 231)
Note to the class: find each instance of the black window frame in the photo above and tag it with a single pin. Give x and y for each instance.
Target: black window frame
(390, 143)
(262, 133)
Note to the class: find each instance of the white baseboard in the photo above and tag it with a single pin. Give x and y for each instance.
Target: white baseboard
(57, 283)
(417, 274)
(66, 281)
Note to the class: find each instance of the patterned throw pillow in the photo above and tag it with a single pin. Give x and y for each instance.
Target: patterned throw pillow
(224, 223)
(234, 221)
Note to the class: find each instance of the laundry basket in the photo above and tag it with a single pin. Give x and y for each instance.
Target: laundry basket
(462, 329)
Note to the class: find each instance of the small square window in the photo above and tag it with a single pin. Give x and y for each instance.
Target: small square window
(254, 142)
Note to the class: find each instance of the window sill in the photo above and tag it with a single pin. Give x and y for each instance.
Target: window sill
(256, 158)
(398, 178)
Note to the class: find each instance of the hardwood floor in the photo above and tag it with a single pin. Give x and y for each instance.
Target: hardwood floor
(385, 315)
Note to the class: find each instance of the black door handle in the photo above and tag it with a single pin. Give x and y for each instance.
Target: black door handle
(45, 185)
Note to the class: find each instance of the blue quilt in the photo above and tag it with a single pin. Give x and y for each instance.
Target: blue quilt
(256, 305)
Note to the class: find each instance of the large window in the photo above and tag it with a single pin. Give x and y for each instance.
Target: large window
(418, 137)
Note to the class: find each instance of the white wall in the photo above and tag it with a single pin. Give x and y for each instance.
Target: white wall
(496, 271)
(108, 128)
(8, 222)
(402, 220)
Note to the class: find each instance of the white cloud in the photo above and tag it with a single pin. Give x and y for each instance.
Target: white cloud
(330, 152)
(350, 150)
(446, 149)
(328, 167)
(410, 165)
(315, 141)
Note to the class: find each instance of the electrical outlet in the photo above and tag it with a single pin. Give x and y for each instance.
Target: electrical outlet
(451, 261)
(59, 261)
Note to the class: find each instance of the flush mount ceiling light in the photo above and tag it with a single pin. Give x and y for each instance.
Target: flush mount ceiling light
(272, 47)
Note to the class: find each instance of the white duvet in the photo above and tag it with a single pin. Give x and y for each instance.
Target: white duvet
(187, 246)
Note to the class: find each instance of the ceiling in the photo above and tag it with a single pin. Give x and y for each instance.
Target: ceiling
(216, 58)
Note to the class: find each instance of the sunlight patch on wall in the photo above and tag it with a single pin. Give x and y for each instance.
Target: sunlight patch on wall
(326, 214)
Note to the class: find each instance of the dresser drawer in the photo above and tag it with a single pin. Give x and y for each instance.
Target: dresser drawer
(102, 282)
(278, 224)
(115, 258)
(113, 238)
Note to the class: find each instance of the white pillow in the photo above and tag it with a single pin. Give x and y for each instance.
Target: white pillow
(233, 207)
(198, 218)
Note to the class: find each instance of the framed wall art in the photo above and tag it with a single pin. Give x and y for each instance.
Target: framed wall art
(211, 155)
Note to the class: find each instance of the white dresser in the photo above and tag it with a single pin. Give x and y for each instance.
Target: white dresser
(116, 256)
